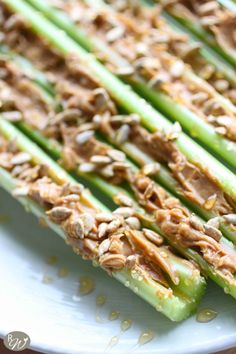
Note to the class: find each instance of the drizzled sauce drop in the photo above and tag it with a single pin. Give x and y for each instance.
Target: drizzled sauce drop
(114, 341)
(63, 272)
(145, 337)
(206, 315)
(114, 315)
(125, 325)
(101, 300)
(86, 285)
(47, 279)
(51, 260)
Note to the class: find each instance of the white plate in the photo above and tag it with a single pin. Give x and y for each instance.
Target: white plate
(58, 320)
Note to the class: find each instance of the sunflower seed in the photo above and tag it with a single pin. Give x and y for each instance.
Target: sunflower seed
(107, 171)
(151, 169)
(153, 237)
(214, 222)
(120, 166)
(101, 98)
(115, 261)
(132, 119)
(71, 198)
(20, 158)
(156, 82)
(206, 72)
(102, 230)
(76, 229)
(118, 118)
(12, 116)
(210, 202)
(209, 21)
(68, 115)
(225, 121)
(221, 85)
(83, 137)
(104, 217)
(104, 246)
(177, 69)
(133, 223)
(91, 245)
(126, 212)
(87, 167)
(114, 225)
(230, 218)
(142, 48)
(174, 132)
(97, 119)
(88, 221)
(72, 189)
(199, 97)
(21, 191)
(116, 155)
(124, 70)
(131, 261)
(212, 232)
(122, 134)
(208, 7)
(196, 223)
(59, 214)
(114, 34)
(123, 200)
(100, 159)
(221, 130)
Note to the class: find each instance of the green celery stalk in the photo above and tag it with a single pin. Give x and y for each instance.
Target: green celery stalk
(42, 26)
(176, 307)
(206, 36)
(205, 133)
(163, 177)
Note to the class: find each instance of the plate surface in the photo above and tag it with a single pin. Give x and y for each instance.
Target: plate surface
(59, 320)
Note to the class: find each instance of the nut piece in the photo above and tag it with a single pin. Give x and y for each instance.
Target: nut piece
(20, 158)
(153, 237)
(88, 221)
(116, 155)
(212, 232)
(133, 223)
(151, 169)
(104, 246)
(59, 214)
(114, 225)
(126, 212)
(123, 200)
(102, 230)
(74, 228)
(83, 137)
(123, 134)
(214, 222)
(230, 218)
(196, 223)
(104, 217)
(100, 160)
(114, 261)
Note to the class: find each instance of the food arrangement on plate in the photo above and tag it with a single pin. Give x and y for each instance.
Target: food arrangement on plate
(101, 91)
